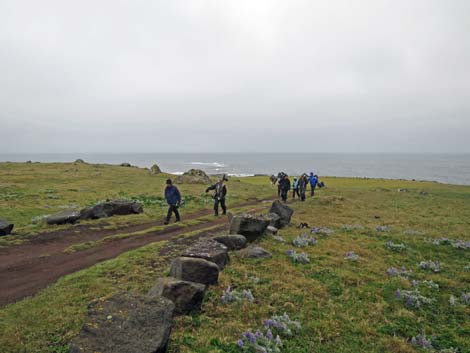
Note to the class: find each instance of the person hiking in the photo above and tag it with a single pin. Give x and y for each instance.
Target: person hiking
(173, 199)
(295, 188)
(280, 176)
(219, 195)
(313, 179)
(302, 185)
(285, 187)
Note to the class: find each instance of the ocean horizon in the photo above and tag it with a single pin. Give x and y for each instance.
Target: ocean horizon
(443, 168)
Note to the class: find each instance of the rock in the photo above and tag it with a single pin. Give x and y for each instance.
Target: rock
(187, 296)
(80, 161)
(5, 227)
(274, 220)
(67, 216)
(209, 250)
(272, 230)
(195, 270)
(155, 169)
(126, 323)
(125, 164)
(283, 211)
(252, 227)
(254, 252)
(193, 176)
(111, 208)
(232, 241)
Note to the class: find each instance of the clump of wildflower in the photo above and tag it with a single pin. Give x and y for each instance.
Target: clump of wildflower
(390, 245)
(422, 341)
(304, 240)
(260, 342)
(465, 298)
(383, 229)
(321, 230)
(461, 244)
(452, 300)
(230, 296)
(442, 241)
(279, 238)
(403, 272)
(434, 266)
(282, 325)
(351, 256)
(467, 268)
(254, 279)
(412, 298)
(430, 284)
(301, 258)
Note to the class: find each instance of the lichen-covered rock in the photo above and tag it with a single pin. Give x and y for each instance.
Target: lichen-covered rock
(283, 211)
(193, 176)
(252, 227)
(232, 241)
(209, 250)
(195, 270)
(187, 296)
(272, 230)
(67, 216)
(274, 220)
(254, 252)
(5, 227)
(111, 208)
(126, 323)
(155, 169)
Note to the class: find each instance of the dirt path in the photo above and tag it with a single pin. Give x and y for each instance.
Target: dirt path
(27, 268)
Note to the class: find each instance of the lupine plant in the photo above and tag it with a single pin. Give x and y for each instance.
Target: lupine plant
(230, 296)
(268, 339)
(351, 256)
(422, 341)
(301, 258)
(403, 272)
(434, 266)
(390, 245)
(260, 342)
(456, 243)
(304, 240)
(430, 284)
(383, 229)
(412, 298)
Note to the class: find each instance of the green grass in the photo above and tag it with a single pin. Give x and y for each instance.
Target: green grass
(343, 306)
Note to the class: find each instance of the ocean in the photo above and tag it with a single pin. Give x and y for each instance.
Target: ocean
(444, 168)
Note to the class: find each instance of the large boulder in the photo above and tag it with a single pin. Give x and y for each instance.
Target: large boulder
(187, 296)
(155, 169)
(111, 208)
(254, 252)
(126, 323)
(252, 227)
(274, 220)
(67, 216)
(232, 241)
(193, 176)
(5, 227)
(195, 270)
(283, 211)
(209, 250)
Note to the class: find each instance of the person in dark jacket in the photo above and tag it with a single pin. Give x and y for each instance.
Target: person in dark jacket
(313, 179)
(303, 183)
(219, 195)
(285, 187)
(173, 199)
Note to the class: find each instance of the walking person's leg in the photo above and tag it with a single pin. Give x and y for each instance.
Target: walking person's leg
(224, 208)
(216, 206)
(168, 214)
(177, 214)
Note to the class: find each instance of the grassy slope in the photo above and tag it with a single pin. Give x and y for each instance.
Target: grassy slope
(344, 306)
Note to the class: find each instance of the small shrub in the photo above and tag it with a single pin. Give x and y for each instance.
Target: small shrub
(422, 341)
(393, 272)
(301, 258)
(434, 266)
(304, 240)
(390, 245)
(231, 296)
(412, 298)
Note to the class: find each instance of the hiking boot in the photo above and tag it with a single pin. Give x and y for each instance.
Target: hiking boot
(166, 223)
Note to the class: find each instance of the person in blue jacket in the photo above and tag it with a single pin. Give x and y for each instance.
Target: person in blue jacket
(295, 188)
(173, 199)
(313, 179)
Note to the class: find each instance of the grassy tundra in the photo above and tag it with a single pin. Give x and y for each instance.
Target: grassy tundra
(343, 305)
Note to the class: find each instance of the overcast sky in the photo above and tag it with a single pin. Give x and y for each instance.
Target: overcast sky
(255, 75)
